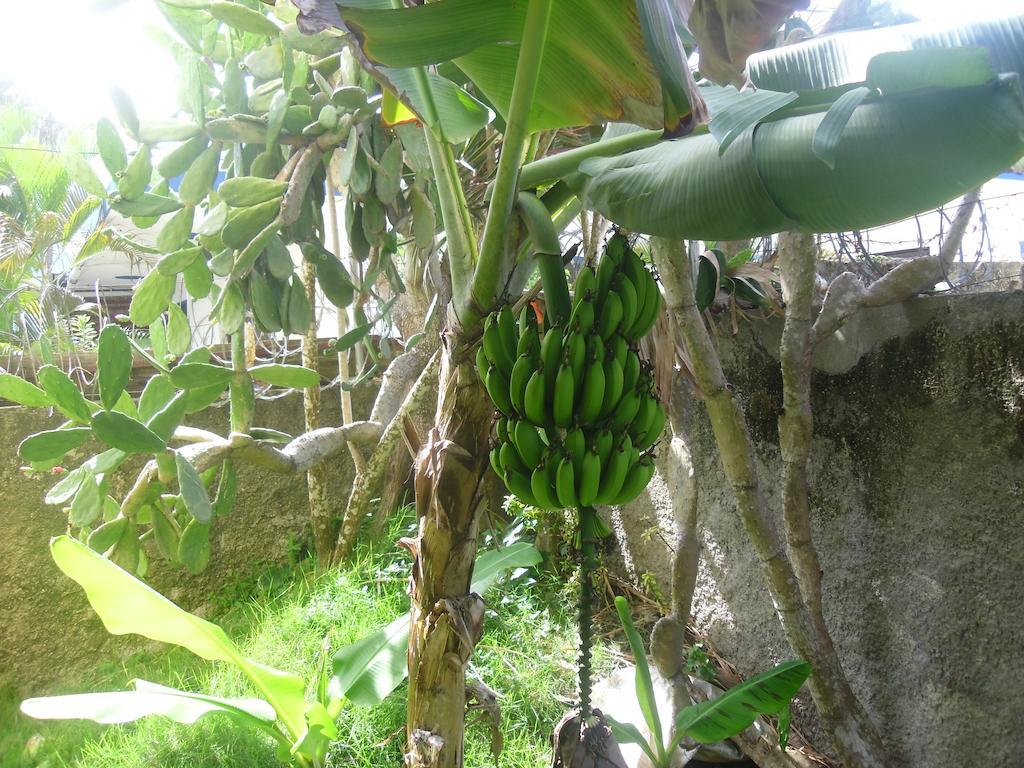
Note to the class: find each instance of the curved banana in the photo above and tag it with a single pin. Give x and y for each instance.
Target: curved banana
(565, 389)
(482, 364)
(626, 291)
(495, 460)
(592, 396)
(509, 459)
(626, 410)
(519, 485)
(521, 373)
(589, 478)
(631, 371)
(576, 446)
(639, 476)
(507, 330)
(613, 473)
(528, 443)
(613, 377)
(551, 357)
(535, 399)
(494, 348)
(541, 490)
(655, 429)
(585, 285)
(497, 388)
(604, 442)
(565, 484)
(611, 315)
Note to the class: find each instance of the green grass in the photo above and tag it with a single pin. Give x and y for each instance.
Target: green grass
(526, 655)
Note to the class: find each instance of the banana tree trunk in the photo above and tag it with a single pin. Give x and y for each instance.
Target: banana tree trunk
(446, 619)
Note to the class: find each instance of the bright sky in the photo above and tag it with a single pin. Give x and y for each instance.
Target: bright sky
(65, 53)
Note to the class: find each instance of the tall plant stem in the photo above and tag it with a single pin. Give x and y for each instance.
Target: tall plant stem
(241, 397)
(457, 226)
(842, 715)
(495, 261)
(797, 264)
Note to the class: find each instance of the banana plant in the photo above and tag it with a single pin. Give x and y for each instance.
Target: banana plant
(768, 693)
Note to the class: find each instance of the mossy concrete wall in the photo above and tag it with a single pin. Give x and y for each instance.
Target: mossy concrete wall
(48, 631)
(917, 492)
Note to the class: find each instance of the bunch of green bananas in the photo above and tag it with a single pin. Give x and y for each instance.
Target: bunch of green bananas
(579, 416)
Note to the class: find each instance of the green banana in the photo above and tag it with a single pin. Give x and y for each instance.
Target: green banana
(583, 314)
(554, 461)
(510, 460)
(625, 411)
(527, 320)
(550, 357)
(576, 447)
(501, 428)
(605, 273)
(626, 291)
(618, 348)
(616, 248)
(482, 364)
(576, 352)
(595, 348)
(592, 396)
(649, 315)
(585, 285)
(603, 443)
(638, 276)
(565, 388)
(497, 388)
(639, 476)
(529, 343)
(497, 353)
(589, 478)
(519, 485)
(565, 484)
(528, 443)
(644, 418)
(521, 373)
(611, 315)
(612, 386)
(613, 473)
(495, 461)
(542, 491)
(654, 431)
(507, 330)
(630, 371)
(535, 400)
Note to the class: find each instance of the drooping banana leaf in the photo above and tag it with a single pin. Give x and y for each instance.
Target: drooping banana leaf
(594, 67)
(835, 60)
(898, 155)
(113, 707)
(129, 606)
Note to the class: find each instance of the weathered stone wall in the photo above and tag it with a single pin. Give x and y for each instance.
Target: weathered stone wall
(917, 493)
(47, 630)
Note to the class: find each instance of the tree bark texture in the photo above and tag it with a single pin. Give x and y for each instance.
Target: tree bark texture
(446, 619)
(853, 734)
(316, 476)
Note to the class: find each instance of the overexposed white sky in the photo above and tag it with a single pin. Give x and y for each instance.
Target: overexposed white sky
(65, 53)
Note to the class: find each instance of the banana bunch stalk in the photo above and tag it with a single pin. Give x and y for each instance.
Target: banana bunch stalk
(578, 414)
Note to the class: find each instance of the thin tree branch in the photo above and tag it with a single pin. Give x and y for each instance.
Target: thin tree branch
(797, 263)
(847, 294)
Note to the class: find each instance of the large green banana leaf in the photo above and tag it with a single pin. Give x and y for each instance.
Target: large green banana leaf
(834, 60)
(129, 606)
(594, 67)
(898, 155)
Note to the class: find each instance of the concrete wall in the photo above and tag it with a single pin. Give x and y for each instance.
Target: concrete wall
(917, 493)
(47, 629)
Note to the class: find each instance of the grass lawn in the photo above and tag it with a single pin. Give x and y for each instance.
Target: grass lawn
(526, 655)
